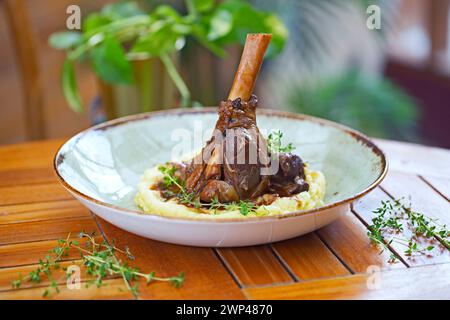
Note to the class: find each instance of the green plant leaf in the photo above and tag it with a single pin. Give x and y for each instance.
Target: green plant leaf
(279, 34)
(167, 13)
(93, 21)
(64, 40)
(110, 62)
(220, 25)
(122, 9)
(159, 42)
(203, 5)
(106, 34)
(199, 31)
(69, 86)
(247, 19)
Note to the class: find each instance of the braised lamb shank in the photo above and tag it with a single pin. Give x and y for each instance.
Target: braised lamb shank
(236, 164)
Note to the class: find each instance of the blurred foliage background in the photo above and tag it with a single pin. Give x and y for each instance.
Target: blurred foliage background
(332, 68)
(389, 83)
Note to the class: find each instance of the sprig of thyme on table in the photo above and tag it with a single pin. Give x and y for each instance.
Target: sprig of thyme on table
(390, 218)
(100, 262)
(184, 197)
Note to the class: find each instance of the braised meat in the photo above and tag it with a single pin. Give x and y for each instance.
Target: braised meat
(290, 178)
(235, 156)
(236, 163)
(229, 166)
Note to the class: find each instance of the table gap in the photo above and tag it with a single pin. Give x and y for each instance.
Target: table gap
(283, 263)
(346, 266)
(433, 187)
(227, 268)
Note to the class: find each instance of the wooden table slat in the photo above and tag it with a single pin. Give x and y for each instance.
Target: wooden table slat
(254, 265)
(441, 185)
(309, 258)
(416, 159)
(9, 274)
(70, 212)
(16, 177)
(348, 239)
(39, 206)
(423, 198)
(27, 253)
(112, 289)
(427, 282)
(38, 154)
(33, 193)
(45, 230)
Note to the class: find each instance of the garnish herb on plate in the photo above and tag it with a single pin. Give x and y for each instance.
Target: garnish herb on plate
(169, 179)
(100, 262)
(274, 143)
(392, 217)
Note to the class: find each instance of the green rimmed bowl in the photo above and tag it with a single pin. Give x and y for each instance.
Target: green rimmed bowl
(102, 166)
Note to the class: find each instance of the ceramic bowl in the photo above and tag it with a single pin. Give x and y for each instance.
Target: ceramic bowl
(101, 167)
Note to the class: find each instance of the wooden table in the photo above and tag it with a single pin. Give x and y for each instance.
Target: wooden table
(331, 263)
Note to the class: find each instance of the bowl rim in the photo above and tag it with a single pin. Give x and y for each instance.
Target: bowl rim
(358, 136)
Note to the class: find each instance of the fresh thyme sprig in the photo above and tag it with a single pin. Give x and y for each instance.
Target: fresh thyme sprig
(390, 218)
(274, 143)
(169, 179)
(100, 262)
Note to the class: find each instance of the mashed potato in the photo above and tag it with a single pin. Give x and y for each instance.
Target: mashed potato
(151, 201)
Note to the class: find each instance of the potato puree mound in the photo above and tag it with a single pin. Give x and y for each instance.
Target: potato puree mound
(151, 201)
